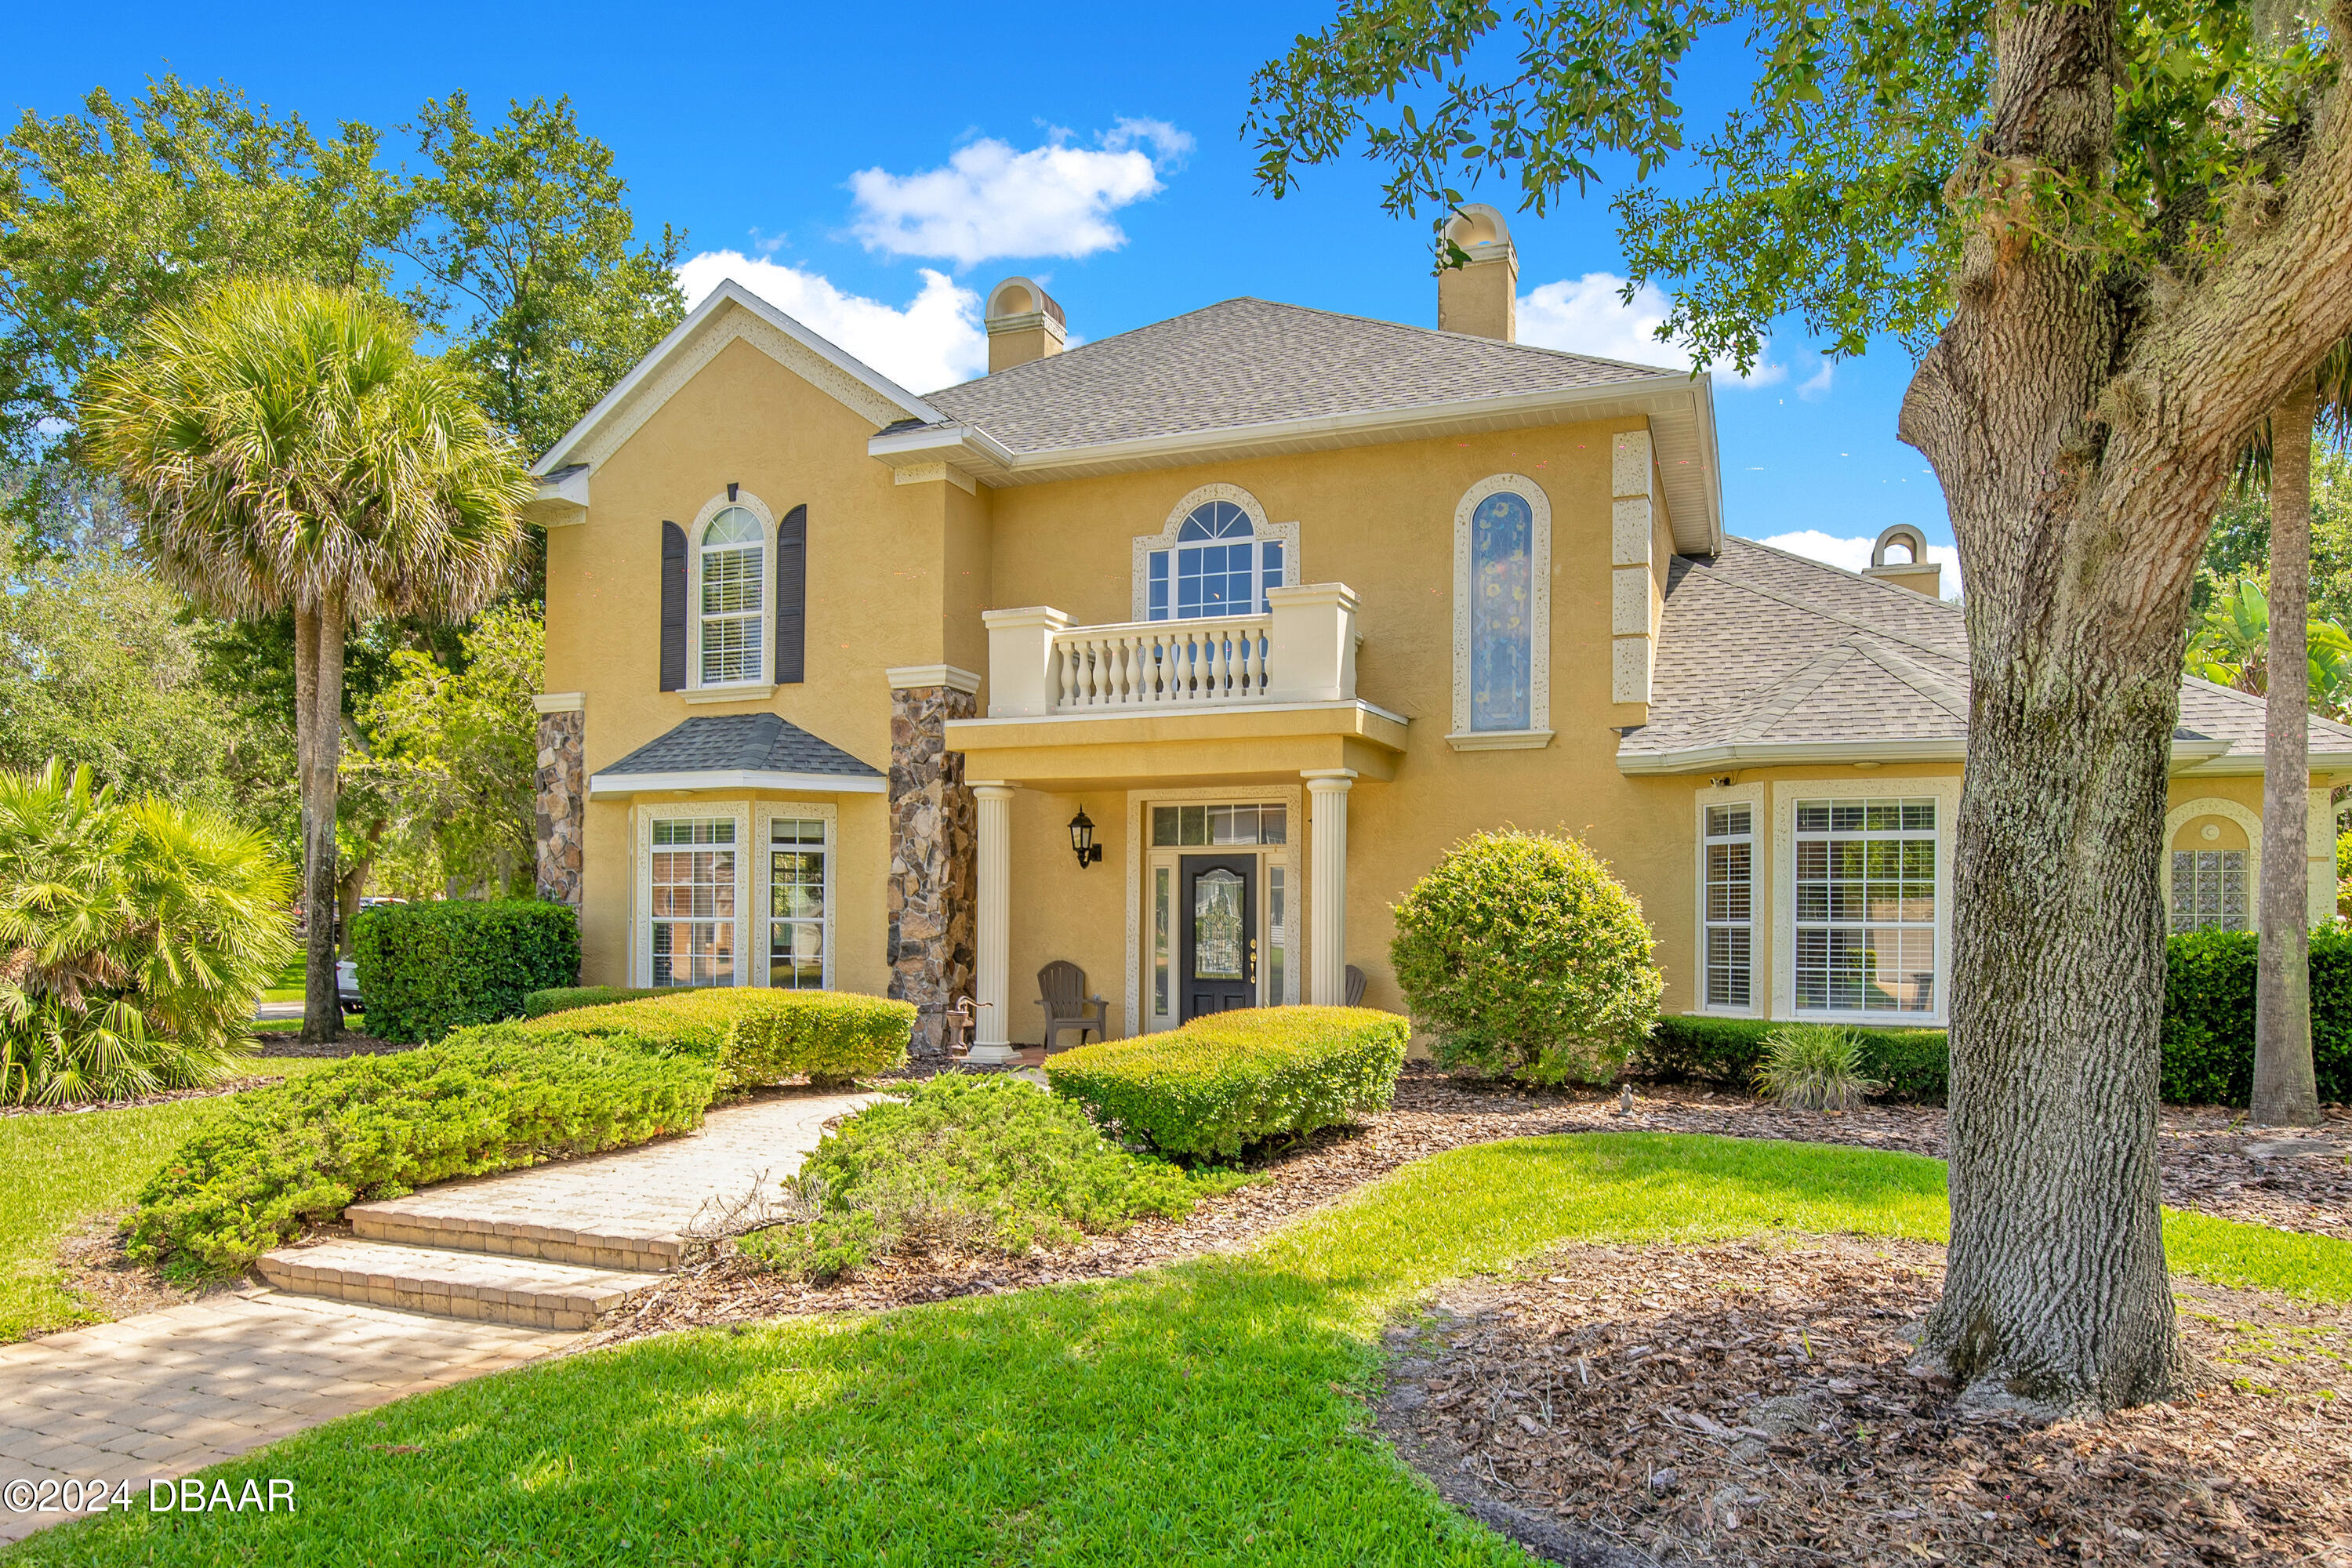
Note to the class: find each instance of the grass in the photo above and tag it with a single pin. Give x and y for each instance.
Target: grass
(59, 1171)
(1206, 1413)
(290, 984)
(353, 1024)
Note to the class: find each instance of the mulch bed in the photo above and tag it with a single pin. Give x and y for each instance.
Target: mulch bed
(1747, 1402)
(2206, 1168)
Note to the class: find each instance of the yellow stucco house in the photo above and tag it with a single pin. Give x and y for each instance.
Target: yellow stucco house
(1269, 605)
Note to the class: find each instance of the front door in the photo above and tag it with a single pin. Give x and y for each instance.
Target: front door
(1218, 951)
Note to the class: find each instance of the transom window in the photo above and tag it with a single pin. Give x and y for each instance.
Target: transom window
(1502, 618)
(1729, 902)
(1209, 825)
(799, 917)
(1217, 566)
(1865, 915)
(733, 576)
(693, 886)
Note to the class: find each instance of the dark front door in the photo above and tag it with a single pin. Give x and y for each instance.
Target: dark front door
(1218, 951)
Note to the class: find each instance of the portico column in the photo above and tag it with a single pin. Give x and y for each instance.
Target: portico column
(993, 941)
(1327, 904)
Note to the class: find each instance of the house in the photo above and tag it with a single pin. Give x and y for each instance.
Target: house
(1181, 654)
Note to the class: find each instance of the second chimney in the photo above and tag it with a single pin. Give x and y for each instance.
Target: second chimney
(1919, 574)
(1024, 323)
(1481, 297)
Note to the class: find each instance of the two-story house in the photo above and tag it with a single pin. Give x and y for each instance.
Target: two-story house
(1182, 652)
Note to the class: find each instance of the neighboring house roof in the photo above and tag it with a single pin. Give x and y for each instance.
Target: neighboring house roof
(747, 751)
(1767, 658)
(1250, 376)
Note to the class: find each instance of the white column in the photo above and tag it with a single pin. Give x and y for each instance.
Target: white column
(1327, 903)
(993, 989)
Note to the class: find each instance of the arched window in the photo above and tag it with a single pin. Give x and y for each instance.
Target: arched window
(1218, 556)
(1502, 607)
(731, 561)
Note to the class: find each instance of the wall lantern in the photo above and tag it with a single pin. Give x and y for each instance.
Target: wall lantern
(1082, 840)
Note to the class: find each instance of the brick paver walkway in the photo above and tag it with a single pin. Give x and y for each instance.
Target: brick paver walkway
(167, 1392)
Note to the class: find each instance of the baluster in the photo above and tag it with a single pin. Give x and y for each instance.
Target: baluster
(1131, 648)
(1095, 692)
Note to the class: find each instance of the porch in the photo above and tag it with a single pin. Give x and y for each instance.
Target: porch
(1220, 754)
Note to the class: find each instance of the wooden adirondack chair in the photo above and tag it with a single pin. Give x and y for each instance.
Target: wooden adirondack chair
(1355, 986)
(1062, 985)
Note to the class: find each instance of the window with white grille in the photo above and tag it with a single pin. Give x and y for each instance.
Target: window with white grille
(800, 913)
(733, 570)
(1729, 900)
(2208, 889)
(692, 883)
(1865, 916)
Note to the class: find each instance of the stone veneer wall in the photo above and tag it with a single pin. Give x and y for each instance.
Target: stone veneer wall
(934, 847)
(562, 800)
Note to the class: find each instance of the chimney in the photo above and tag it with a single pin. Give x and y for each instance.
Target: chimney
(1024, 323)
(1919, 573)
(1481, 297)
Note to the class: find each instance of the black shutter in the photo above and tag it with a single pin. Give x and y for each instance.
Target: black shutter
(672, 590)
(792, 596)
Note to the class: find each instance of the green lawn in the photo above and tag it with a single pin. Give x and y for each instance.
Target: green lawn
(1206, 1413)
(56, 1170)
(288, 985)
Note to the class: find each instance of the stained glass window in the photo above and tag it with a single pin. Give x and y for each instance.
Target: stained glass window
(693, 886)
(1502, 613)
(1217, 916)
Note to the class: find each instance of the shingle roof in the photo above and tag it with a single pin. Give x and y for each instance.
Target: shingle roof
(1252, 362)
(1759, 648)
(740, 742)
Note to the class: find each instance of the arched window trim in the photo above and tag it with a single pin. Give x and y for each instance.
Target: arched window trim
(2248, 821)
(764, 676)
(1538, 730)
(1283, 533)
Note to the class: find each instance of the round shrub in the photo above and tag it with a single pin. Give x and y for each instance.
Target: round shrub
(1522, 955)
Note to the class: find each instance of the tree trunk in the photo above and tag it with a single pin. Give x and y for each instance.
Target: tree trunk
(2286, 1092)
(350, 885)
(321, 1017)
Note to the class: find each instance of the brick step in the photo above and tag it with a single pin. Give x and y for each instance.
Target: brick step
(522, 1290)
(458, 1222)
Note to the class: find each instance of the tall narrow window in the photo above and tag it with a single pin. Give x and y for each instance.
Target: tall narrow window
(798, 911)
(1729, 896)
(1217, 564)
(1278, 966)
(1502, 549)
(2208, 889)
(1162, 1002)
(1865, 916)
(693, 912)
(733, 582)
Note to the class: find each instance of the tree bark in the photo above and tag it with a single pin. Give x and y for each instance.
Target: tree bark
(321, 1017)
(2286, 1092)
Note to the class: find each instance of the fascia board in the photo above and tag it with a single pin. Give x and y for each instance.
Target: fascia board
(2248, 765)
(2199, 756)
(730, 292)
(614, 786)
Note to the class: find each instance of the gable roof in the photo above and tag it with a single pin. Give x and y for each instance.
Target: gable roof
(1765, 658)
(1252, 376)
(730, 311)
(747, 751)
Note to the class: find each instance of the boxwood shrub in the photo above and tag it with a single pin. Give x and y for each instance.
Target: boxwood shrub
(296, 1154)
(1220, 1083)
(427, 968)
(564, 998)
(755, 1035)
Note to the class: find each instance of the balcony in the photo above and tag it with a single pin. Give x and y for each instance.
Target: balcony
(1251, 695)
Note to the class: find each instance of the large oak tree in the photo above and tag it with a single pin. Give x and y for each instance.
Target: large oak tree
(2119, 234)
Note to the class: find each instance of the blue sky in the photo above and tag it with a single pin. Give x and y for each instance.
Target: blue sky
(872, 169)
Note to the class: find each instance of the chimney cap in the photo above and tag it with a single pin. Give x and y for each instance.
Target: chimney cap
(1913, 540)
(1475, 224)
(1017, 297)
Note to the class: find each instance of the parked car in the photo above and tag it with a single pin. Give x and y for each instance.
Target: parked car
(346, 985)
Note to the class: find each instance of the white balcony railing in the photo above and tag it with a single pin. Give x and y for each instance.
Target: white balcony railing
(1302, 648)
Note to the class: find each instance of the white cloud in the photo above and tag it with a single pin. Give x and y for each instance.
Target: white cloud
(933, 340)
(1585, 315)
(1854, 554)
(992, 200)
(1817, 386)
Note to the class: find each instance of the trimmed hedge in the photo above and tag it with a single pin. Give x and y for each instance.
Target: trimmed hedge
(426, 969)
(1909, 1063)
(564, 998)
(2208, 1017)
(755, 1035)
(297, 1154)
(1220, 1083)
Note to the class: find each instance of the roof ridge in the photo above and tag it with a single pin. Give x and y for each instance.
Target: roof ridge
(1463, 337)
(1731, 576)
(1784, 696)
(1917, 678)
(1878, 583)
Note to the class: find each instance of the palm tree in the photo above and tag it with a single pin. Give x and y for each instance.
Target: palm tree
(2231, 648)
(285, 447)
